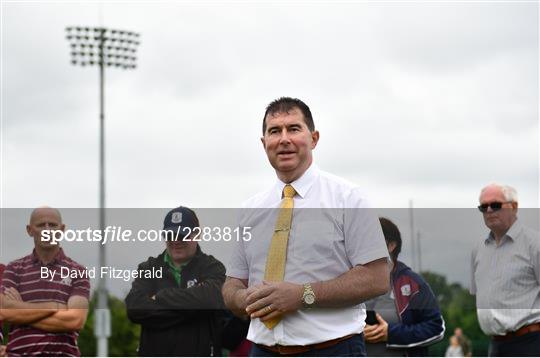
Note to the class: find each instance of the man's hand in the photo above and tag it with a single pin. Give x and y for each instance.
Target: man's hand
(16, 311)
(234, 293)
(70, 319)
(12, 299)
(240, 300)
(376, 333)
(241, 296)
(12, 294)
(274, 299)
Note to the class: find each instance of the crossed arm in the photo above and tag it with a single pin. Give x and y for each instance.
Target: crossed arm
(357, 285)
(163, 307)
(48, 316)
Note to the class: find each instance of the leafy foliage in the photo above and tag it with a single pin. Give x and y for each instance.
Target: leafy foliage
(459, 310)
(124, 338)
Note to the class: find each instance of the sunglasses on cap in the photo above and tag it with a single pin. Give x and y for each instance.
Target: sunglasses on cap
(495, 206)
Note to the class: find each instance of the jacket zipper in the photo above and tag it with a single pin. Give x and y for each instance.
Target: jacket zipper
(394, 299)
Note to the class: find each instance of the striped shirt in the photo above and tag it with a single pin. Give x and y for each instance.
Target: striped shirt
(2, 267)
(506, 280)
(24, 275)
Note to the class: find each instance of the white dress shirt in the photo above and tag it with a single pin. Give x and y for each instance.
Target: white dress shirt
(332, 231)
(506, 280)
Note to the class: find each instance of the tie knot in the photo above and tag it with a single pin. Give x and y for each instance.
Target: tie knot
(288, 191)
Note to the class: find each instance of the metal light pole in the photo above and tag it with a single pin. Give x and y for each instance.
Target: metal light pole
(105, 48)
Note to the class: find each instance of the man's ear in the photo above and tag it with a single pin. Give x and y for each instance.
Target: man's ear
(263, 142)
(391, 246)
(314, 138)
(29, 230)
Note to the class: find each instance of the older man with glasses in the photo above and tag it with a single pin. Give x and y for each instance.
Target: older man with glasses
(505, 270)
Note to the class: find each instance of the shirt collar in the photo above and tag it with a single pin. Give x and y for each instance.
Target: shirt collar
(302, 184)
(168, 260)
(511, 234)
(58, 258)
(514, 230)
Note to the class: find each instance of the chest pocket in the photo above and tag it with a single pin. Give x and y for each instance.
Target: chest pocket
(518, 275)
(313, 240)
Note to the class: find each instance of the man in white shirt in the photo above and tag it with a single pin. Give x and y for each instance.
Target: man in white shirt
(505, 270)
(336, 256)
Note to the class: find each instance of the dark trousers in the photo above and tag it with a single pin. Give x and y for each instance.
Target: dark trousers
(527, 345)
(351, 347)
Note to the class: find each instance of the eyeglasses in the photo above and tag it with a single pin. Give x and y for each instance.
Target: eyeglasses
(495, 206)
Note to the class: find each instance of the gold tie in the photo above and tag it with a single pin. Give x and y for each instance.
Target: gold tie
(277, 255)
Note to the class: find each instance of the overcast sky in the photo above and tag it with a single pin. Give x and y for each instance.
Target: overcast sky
(414, 100)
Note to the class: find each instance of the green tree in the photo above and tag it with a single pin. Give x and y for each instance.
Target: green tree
(459, 310)
(124, 338)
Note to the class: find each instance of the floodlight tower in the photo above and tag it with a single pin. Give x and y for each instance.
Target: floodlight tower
(104, 48)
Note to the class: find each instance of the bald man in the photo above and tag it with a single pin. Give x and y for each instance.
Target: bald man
(44, 314)
(505, 269)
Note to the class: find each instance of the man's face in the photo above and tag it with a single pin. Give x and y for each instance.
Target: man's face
(44, 219)
(501, 220)
(288, 143)
(182, 251)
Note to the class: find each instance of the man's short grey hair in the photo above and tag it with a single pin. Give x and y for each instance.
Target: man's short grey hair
(510, 194)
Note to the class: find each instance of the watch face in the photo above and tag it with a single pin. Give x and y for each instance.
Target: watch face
(309, 299)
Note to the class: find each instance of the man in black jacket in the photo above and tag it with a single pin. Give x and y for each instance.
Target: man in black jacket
(181, 312)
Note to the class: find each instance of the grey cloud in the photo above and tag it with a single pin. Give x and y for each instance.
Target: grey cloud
(451, 36)
(393, 87)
